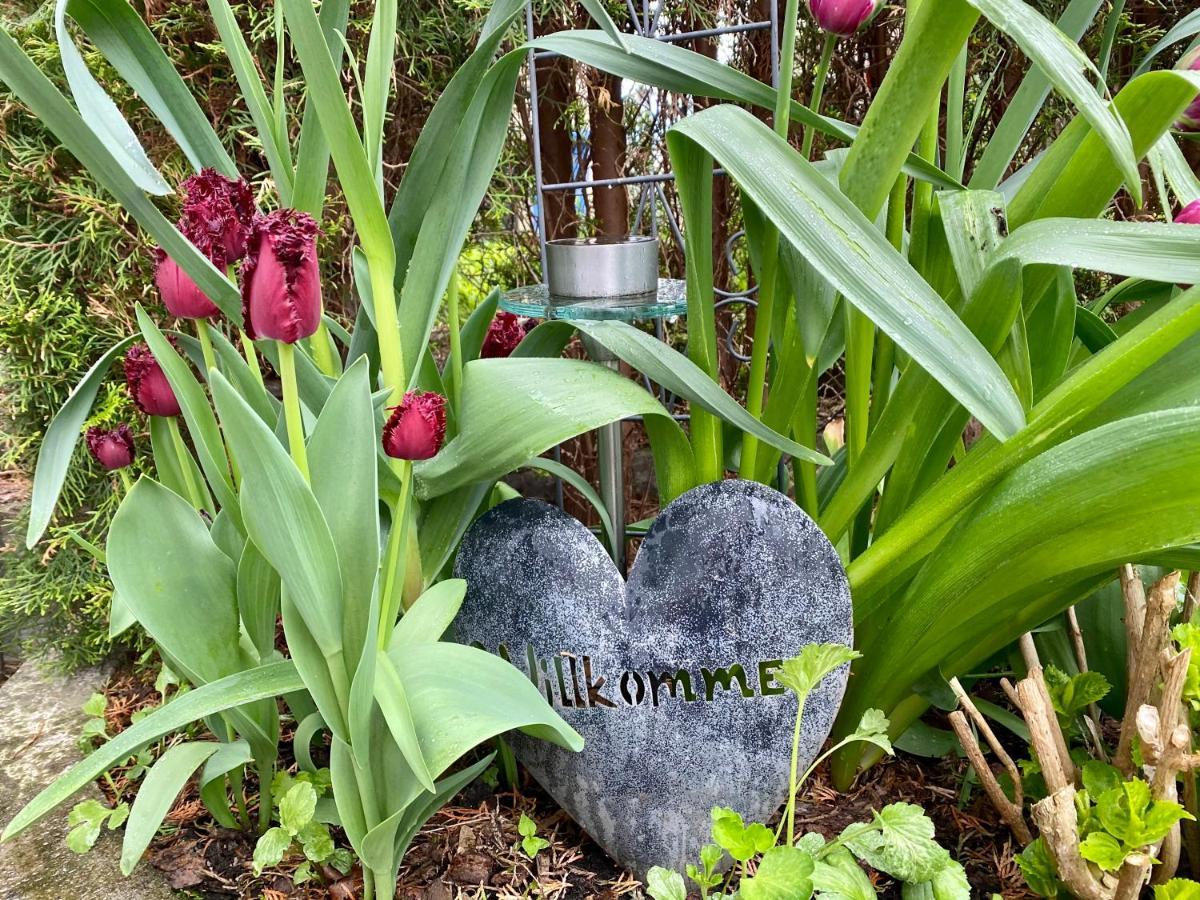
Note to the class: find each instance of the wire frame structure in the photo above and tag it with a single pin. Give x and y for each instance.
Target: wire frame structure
(651, 208)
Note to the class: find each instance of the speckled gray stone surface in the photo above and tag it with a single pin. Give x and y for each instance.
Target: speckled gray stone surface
(41, 722)
(732, 574)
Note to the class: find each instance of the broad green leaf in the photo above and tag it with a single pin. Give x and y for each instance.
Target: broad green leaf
(432, 614)
(1177, 889)
(901, 844)
(159, 553)
(838, 876)
(505, 422)
(1039, 870)
(270, 848)
(101, 114)
(1021, 111)
(202, 424)
(228, 757)
(297, 806)
(156, 795)
(802, 673)
(392, 698)
(678, 374)
(235, 690)
(342, 463)
(1103, 849)
(53, 110)
(740, 840)
(258, 599)
(663, 884)
(171, 467)
(284, 519)
(128, 44)
(1150, 250)
(1100, 777)
(849, 252)
(60, 439)
(461, 696)
(784, 873)
(1061, 60)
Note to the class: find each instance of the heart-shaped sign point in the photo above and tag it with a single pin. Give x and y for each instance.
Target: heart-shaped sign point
(669, 677)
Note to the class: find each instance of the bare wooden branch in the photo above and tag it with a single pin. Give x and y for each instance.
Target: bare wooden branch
(1029, 652)
(1134, 593)
(985, 728)
(1010, 692)
(1044, 733)
(1056, 820)
(1092, 719)
(1009, 811)
(1151, 639)
(1191, 595)
(1132, 876)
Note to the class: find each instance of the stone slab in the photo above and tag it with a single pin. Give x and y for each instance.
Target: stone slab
(669, 677)
(40, 722)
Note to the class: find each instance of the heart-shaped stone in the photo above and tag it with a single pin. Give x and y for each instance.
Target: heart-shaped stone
(669, 677)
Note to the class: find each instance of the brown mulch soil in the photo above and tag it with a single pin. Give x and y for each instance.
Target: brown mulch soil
(470, 849)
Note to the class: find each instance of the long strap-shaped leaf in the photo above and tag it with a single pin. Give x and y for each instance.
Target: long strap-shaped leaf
(1061, 60)
(101, 114)
(846, 248)
(52, 108)
(120, 34)
(261, 683)
(1152, 250)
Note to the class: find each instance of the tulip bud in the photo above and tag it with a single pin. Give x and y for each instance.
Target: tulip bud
(180, 294)
(503, 335)
(218, 215)
(1190, 214)
(281, 280)
(147, 384)
(416, 427)
(112, 449)
(842, 17)
(1190, 119)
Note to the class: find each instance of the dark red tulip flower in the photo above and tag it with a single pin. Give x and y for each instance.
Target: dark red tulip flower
(218, 215)
(502, 337)
(179, 293)
(281, 280)
(416, 427)
(112, 448)
(842, 17)
(1190, 214)
(1190, 120)
(147, 384)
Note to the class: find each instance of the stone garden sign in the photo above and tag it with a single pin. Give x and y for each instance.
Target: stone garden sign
(669, 677)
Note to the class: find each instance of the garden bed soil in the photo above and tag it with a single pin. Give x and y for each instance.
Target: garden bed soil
(471, 847)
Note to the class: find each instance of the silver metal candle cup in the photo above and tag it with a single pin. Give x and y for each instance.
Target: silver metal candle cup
(602, 267)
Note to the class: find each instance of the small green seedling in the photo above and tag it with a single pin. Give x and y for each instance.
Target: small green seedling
(299, 828)
(531, 844)
(87, 818)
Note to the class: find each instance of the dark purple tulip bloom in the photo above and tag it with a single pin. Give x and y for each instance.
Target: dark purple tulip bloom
(1190, 120)
(842, 17)
(281, 280)
(147, 384)
(503, 335)
(416, 427)
(1190, 214)
(179, 293)
(218, 215)
(113, 448)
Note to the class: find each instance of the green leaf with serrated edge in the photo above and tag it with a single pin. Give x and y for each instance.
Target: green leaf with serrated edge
(1177, 889)
(316, 841)
(901, 844)
(1103, 849)
(1038, 869)
(1071, 695)
(663, 884)
(873, 728)
(270, 680)
(156, 795)
(297, 806)
(802, 673)
(1130, 814)
(270, 849)
(1100, 777)
(784, 873)
(838, 876)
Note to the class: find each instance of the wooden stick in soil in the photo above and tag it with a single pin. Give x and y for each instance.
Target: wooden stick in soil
(1009, 811)
(1190, 596)
(985, 728)
(1056, 819)
(1134, 594)
(1044, 733)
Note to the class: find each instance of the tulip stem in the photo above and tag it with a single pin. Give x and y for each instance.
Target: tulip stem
(396, 551)
(456, 361)
(291, 407)
(206, 347)
(252, 359)
(125, 479)
(185, 460)
(819, 90)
